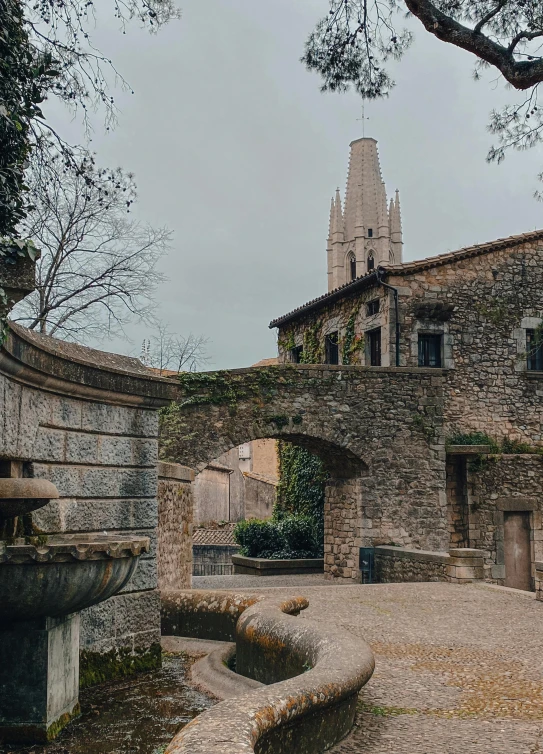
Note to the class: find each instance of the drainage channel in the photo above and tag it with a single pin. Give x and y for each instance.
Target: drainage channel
(138, 715)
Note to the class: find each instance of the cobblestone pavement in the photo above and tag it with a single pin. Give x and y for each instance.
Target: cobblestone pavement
(245, 581)
(459, 669)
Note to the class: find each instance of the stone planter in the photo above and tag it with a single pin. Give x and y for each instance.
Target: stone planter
(267, 567)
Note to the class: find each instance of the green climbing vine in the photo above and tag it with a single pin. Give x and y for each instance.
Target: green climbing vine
(313, 351)
(352, 343)
(300, 494)
(228, 388)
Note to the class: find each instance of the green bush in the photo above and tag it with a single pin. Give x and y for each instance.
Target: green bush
(284, 537)
(257, 538)
(473, 438)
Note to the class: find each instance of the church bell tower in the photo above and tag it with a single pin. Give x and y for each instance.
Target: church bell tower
(365, 232)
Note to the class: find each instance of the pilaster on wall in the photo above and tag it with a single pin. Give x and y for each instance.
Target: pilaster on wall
(457, 501)
(342, 528)
(175, 523)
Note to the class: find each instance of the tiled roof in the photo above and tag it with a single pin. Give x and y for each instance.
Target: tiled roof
(469, 251)
(365, 281)
(223, 535)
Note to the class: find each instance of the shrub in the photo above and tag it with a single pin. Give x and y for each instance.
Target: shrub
(257, 538)
(284, 537)
(473, 438)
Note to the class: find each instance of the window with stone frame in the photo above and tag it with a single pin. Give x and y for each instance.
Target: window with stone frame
(296, 354)
(370, 232)
(371, 262)
(534, 350)
(374, 346)
(332, 348)
(373, 307)
(430, 349)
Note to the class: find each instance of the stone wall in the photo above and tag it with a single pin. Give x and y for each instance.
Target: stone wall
(496, 297)
(348, 313)
(174, 533)
(260, 494)
(497, 484)
(458, 566)
(87, 421)
(213, 559)
(377, 430)
(394, 565)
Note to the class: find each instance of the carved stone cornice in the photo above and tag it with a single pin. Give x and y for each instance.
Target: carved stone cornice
(75, 547)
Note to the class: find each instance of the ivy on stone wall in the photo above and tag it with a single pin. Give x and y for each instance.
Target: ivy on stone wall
(313, 350)
(301, 474)
(352, 343)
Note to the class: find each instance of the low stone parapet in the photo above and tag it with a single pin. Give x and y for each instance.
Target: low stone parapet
(465, 564)
(313, 676)
(269, 567)
(400, 564)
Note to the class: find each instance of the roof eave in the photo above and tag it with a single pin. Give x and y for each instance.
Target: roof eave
(329, 298)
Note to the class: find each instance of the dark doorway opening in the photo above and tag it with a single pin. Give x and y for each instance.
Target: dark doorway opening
(332, 348)
(374, 344)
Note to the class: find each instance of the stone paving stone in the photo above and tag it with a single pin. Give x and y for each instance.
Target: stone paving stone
(459, 668)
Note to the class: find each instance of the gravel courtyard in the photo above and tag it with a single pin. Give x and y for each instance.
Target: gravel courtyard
(459, 669)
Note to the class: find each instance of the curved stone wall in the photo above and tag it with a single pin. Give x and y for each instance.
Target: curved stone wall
(315, 677)
(87, 421)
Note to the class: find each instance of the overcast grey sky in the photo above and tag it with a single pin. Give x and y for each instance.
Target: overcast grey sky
(238, 152)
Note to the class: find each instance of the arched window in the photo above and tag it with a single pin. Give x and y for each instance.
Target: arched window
(351, 259)
(371, 262)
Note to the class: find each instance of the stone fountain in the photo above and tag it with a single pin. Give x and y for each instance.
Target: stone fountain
(44, 583)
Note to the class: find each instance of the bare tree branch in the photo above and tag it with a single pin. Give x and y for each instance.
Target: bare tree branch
(98, 268)
(166, 351)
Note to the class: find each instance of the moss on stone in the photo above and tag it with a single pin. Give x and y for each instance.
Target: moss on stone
(99, 667)
(54, 729)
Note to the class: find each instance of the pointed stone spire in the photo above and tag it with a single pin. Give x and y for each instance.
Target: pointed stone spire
(337, 219)
(396, 240)
(330, 223)
(365, 224)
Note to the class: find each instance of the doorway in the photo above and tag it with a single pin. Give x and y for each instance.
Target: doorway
(517, 550)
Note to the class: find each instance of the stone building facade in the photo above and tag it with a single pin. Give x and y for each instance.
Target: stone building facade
(475, 318)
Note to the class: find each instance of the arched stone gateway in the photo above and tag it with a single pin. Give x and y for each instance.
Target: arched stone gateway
(378, 431)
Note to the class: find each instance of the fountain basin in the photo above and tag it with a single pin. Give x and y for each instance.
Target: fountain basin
(66, 574)
(43, 586)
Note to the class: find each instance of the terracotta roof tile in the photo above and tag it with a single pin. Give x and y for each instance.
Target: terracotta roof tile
(223, 535)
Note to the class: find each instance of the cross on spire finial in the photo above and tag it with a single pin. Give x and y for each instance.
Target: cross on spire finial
(364, 118)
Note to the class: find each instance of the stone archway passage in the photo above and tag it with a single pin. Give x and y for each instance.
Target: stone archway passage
(378, 431)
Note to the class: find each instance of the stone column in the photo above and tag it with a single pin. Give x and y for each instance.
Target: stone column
(40, 678)
(174, 535)
(342, 528)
